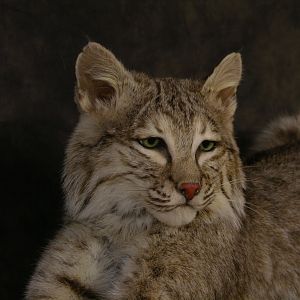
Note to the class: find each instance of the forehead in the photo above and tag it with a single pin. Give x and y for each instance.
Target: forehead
(176, 106)
(178, 112)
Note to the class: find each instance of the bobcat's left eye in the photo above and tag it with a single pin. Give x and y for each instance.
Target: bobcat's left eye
(151, 142)
(207, 145)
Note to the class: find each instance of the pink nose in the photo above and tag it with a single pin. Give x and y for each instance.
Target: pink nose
(189, 190)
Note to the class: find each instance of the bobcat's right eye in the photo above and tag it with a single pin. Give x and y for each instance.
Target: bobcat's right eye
(151, 142)
(208, 145)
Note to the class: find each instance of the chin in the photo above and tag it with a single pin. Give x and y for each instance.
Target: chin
(179, 216)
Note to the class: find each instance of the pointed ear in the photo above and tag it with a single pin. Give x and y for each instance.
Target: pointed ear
(223, 82)
(100, 78)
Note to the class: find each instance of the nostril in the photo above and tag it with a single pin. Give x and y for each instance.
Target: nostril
(189, 189)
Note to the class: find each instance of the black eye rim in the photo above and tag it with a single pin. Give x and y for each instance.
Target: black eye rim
(159, 144)
(205, 149)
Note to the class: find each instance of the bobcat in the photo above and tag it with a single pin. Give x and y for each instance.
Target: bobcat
(157, 202)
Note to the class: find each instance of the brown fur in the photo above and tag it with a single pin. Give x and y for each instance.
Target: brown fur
(259, 261)
(130, 232)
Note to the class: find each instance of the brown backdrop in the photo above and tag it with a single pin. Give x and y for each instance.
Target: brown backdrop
(39, 44)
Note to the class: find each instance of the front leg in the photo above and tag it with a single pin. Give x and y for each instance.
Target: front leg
(75, 265)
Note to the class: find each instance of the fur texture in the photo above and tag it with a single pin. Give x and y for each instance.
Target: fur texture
(280, 132)
(130, 231)
(259, 261)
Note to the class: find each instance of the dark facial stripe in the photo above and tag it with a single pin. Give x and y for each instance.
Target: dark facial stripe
(222, 187)
(224, 192)
(213, 127)
(208, 195)
(213, 168)
(208, 201)
(209, 186)
(137, 151)
(78, 288)
(99, 182)
(127, 161)
(161, 208)
(165, 208)
(158, 205)
(145, 176)
(161, 193)
(204, 128)
(159, 200)
(158, 90)
(218, 155)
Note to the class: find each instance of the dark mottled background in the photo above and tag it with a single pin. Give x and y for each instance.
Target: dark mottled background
(39, 44)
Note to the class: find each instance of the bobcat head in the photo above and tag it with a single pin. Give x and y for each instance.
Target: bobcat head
(147, 147)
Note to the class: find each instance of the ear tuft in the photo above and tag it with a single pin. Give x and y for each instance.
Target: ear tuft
(99, 77)
(224, 80)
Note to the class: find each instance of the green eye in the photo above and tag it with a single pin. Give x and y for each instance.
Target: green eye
(151, 142)
(207, 145)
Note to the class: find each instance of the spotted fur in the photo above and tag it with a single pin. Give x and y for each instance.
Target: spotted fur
(125, 212)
